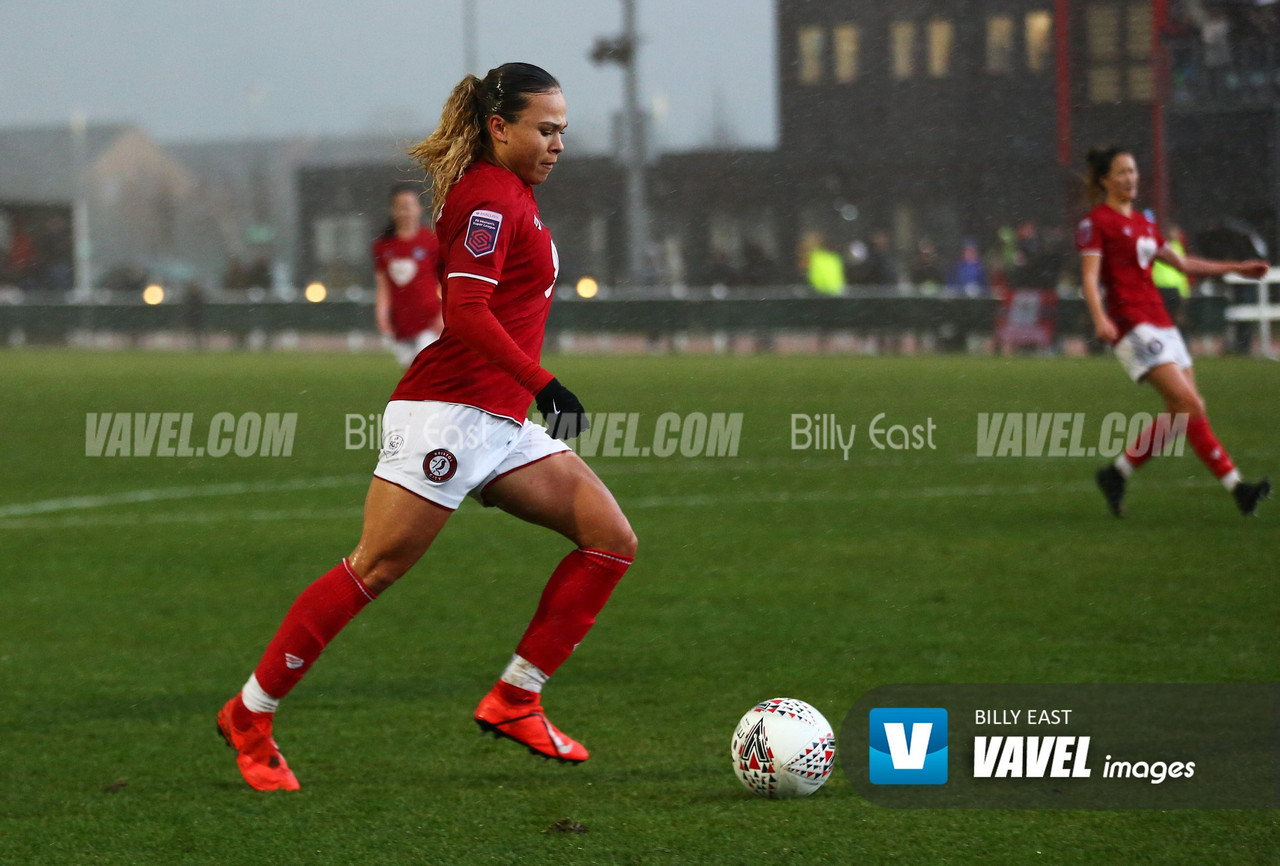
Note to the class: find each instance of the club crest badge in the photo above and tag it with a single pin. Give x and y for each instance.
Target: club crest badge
(440, 465)
(482, 232)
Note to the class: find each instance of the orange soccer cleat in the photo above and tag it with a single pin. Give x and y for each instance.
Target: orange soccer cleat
(527, 724)
(257, 755)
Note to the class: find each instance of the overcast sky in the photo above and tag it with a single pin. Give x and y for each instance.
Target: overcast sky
(221, 69)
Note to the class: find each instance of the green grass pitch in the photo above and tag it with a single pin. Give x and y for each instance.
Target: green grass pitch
(138, 593)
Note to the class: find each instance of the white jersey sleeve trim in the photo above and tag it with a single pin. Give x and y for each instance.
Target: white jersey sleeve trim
(1082, 252)
(471, 277)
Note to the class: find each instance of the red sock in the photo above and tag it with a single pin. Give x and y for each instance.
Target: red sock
(578, 589)
(315, 618)
(1139, 450)
(1207, 447)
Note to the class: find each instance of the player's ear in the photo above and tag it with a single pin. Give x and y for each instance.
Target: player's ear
(497, 128)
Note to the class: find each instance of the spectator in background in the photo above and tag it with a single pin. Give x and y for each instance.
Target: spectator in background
(926, 270)
(194, 309)
(823, 267)
(855, 260)
(1215, 33)
(59, 255)
(1038, 265)
(1174, 285)
(22, 255)
(127, 278)
(236, 277)
(968, 276)
(259, 274)
(719, 271)
(1004, 257)
(758, 269)
(405, 260)
(879, 269)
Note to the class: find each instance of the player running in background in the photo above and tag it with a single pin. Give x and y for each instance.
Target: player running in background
(1118, 244)
(405, 259)
(456, 426)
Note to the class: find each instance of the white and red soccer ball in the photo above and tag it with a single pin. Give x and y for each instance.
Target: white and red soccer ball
(783, 748)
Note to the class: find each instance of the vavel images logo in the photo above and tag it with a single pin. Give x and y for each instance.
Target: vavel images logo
(908, 746)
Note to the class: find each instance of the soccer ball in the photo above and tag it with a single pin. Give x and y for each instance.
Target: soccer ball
(783, 748)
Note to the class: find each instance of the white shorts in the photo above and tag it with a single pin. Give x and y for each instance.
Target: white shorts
(445, 451)
(408, 349)
(1146, 347)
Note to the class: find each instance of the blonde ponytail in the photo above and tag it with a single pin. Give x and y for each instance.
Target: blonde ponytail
(456, 143)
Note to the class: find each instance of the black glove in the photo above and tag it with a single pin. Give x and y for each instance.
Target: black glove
(562, 411)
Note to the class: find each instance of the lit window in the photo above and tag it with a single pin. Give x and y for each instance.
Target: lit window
(845, 37)
(1102, 31)
(999, 44)
(1118, 46)
(1142, 83)
(1138, 17)
(1102, 43)
(1104, 84)
(341, 238)
(902, 37)
(941, 38)
(812, 42)
(1039, 40)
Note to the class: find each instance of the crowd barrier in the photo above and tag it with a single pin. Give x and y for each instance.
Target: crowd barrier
(952, 318)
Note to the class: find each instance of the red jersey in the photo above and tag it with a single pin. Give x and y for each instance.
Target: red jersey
(1128, 245)
(498, 267)
(410, 266)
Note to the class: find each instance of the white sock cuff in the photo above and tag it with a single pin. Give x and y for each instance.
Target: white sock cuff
(257, 700)
(1123, 466)
(523, 674)
(1230, 480)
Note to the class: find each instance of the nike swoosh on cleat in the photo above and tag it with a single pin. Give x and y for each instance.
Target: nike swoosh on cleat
(561, 746)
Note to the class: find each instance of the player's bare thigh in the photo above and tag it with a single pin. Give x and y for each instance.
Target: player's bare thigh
(561, 493)
(1177, 386)
(399, 526)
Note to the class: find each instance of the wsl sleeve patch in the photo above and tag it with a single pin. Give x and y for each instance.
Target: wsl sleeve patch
(1085, 238)
(482, 232)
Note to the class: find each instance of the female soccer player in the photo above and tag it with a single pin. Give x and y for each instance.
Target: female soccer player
(456, 425)
(1117, 245)
(405, 258)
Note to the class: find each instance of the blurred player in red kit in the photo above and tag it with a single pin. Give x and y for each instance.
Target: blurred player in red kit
(456, 426)
(405, 261)
(1117, 245)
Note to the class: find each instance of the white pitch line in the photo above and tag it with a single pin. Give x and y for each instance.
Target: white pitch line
(350, 513)
(236, 488)
(880, 493)
(685, 501)
(129, 497)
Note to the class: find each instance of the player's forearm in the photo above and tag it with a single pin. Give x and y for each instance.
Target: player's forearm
(1194, 267)
(1093, 300)
(382, 305)
(469, 318)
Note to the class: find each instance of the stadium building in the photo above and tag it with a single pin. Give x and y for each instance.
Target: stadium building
(949, 119)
